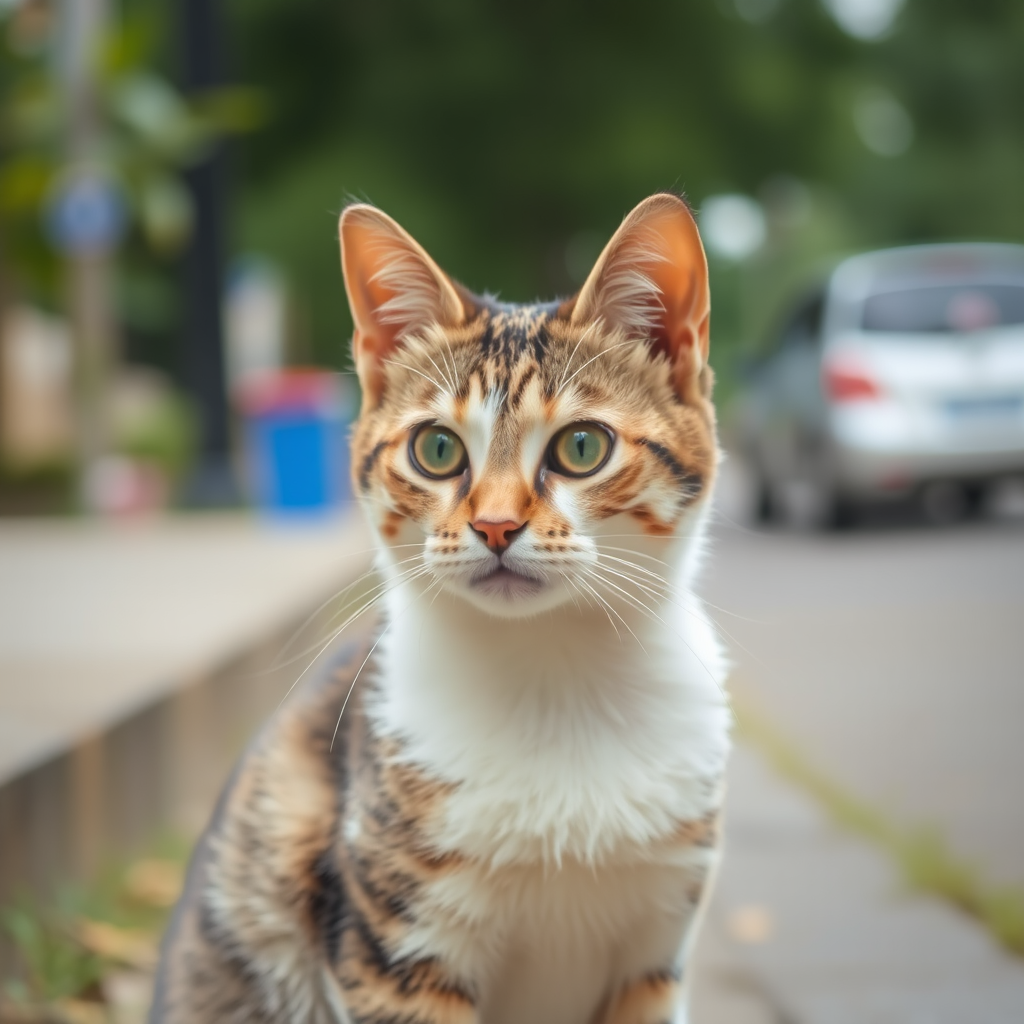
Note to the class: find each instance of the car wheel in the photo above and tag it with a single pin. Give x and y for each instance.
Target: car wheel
(944, 502)
(764, 507)
(843, 514)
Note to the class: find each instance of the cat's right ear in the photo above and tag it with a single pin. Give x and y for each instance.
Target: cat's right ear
(651, 282)
(394, 290)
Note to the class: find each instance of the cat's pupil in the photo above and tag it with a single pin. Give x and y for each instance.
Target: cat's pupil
(581, 442)
(442, 442)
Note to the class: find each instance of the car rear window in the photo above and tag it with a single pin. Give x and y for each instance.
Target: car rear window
(942, 309)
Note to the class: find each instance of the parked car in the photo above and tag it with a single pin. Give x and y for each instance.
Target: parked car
(902, 375)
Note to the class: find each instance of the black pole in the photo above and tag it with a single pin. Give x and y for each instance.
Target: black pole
(213, 481)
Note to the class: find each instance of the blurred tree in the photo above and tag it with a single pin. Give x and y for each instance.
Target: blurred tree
(148, 134)
(28, 128)
(511, 138)
(132, 136)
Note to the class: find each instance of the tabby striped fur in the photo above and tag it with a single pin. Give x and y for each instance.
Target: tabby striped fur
(516, 817)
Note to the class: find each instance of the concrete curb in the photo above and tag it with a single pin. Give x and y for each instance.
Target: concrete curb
(810, 925)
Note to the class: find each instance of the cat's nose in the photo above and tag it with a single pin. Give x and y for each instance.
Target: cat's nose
(497, 536)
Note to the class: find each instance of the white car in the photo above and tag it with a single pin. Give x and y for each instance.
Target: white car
(902, 376)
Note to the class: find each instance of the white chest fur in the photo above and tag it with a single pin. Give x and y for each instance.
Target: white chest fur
(576, 753)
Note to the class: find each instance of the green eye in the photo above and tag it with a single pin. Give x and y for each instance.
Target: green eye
(437, 452)
(580, 450)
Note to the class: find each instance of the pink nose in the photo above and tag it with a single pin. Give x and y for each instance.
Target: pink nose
(497, 536)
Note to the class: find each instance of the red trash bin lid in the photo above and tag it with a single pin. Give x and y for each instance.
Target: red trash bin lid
(299, 389)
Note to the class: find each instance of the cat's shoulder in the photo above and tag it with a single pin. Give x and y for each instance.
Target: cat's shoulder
(262, 890)
(288, 792)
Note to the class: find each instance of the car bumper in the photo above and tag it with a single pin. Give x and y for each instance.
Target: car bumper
(873, 458)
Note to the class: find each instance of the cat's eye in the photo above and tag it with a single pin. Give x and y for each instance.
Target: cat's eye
(437, 452)
(580, 450)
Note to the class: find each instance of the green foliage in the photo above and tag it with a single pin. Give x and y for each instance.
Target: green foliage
(506, 136)
(149, 133)
(55, 963)
(67, 945)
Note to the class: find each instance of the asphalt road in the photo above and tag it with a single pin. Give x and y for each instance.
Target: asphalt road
(894, 659)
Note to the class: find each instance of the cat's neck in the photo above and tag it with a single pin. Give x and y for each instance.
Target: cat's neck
(449, 673)
(575, 731)
(437, 641)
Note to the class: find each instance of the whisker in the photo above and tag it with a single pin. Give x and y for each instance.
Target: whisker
(640, 606)
(341, 593)
(451, 386)
(282, 663)
(647, 588)
(664, 587)
(587, 597)
(355, 678)
(425, 376)
(637, 603)
(572, 355)
(639, 568)
(455, 374)
(603, 352)
(613, 609)
(575, 601)
(414, 574)
(572, 583)
(703, 600)
(450, 374)
(606, 608)
(695, 612)
(630, 551)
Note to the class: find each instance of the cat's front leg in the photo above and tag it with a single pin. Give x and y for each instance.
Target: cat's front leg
(655, 998)
(368, 988)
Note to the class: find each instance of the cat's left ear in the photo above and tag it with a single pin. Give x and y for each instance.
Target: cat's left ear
(651, 281)
(394, 289)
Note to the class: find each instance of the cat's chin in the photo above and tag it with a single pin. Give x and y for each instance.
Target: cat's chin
(508, 594)
(507, 585)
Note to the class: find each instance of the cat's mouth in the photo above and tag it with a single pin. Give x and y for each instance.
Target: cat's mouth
(507, 583)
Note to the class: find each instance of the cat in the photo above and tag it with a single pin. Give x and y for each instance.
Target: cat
(504, 807)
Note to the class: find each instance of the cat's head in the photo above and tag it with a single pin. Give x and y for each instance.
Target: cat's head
(526, 456)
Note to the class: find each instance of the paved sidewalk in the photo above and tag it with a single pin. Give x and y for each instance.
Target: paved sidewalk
(811, 926)
(98, 620)
(893, 660)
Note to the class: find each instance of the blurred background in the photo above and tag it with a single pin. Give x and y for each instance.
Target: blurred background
(175, 389)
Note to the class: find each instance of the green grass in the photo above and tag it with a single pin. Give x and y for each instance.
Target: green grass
(922, 854)
(55, 965)
(66, 945)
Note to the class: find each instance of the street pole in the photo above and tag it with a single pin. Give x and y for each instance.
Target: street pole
(213, 480)
(89, 267)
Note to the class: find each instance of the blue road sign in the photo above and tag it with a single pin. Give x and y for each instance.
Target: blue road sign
(86, 214)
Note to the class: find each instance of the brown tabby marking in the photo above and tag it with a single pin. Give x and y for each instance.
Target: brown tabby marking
(282, 884)
(651, 1000)
(532, 351)
(309, 896)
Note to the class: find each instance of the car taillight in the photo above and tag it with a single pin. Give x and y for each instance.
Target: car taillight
(849, 384)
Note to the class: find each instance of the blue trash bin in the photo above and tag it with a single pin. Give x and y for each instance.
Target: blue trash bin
(296, 445)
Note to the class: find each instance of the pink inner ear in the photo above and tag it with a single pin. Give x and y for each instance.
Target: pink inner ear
(652, 282)
(393, 286)
(362, 264)
(682, 282)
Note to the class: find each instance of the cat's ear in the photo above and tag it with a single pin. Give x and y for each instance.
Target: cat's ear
(394, 289)
(651, 281)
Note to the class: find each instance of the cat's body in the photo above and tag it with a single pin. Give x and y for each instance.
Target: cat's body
(518, 818)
